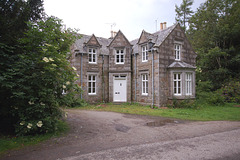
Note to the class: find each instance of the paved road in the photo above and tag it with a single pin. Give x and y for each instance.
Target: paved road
(108, 135)
(219, 146)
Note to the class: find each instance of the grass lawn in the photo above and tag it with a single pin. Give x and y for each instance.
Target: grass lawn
(10, 142)
(228, 112)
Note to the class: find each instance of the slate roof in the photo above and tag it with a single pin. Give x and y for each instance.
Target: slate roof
(163, 34)
(104, 42)
(157, 37)
(135, 46)
(180, 64)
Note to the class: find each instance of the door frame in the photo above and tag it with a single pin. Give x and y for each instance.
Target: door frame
(120, 77)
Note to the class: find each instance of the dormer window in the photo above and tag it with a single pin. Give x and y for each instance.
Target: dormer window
(177, 52)
(119, 56)
(92, 55)
(144, 54)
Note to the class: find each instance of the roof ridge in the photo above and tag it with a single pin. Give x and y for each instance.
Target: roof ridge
(172, 26)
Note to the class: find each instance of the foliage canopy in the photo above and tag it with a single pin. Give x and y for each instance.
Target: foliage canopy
(34, 68)
(214, 33)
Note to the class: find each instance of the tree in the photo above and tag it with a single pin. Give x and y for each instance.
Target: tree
(40, 76)
(14, 15)
(183, 13)
(214, 33)
(34, 68)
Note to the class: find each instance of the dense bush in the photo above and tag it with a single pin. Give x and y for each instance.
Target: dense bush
(205, 94)
(38, 77)
(185, 103)
(72, 98)
(231, 91)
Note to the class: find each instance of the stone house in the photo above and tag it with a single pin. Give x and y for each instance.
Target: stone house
(153, 69)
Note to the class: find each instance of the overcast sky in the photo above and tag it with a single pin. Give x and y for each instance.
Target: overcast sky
(130, 16)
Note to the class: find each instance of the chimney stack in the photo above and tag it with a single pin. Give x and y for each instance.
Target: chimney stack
(113, 34)
(163, 25)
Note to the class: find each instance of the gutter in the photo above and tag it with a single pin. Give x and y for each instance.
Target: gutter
(150, 49)
(103, 84)
(81, 75)
(152, 77)
(135, 72)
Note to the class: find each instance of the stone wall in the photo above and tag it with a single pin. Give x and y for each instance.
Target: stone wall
(120, 42)
(163, 57)
(106, 68)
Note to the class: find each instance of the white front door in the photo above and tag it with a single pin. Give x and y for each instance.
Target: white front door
(120, 89)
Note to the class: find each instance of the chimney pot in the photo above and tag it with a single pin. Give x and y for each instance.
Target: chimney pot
(164, 25)
(112, 34)
(161, 26)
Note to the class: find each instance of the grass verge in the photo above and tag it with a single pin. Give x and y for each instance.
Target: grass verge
(10, 142)
(228, 112)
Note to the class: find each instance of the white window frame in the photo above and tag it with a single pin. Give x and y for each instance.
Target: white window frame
(119, 56)
(188, 81)
(177, 84)
(144, 53)
(177, 51)
(145, 84)
(92, 55)
(92, 84)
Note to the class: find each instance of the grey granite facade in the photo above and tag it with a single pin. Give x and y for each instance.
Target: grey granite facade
(152, 70)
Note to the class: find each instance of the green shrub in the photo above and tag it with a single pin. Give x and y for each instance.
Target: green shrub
(185, 103)
(215, 98)
(204, 94)
(231, 91)
(36, 80)
(72, 98)
(204, 86)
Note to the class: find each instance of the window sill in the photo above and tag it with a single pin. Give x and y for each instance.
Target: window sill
(92, 94)
(177, 95)
(182, 97)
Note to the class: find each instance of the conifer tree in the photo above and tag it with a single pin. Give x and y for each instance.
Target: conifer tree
(183, 13)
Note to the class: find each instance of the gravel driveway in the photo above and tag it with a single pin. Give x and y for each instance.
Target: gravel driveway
(93, 131)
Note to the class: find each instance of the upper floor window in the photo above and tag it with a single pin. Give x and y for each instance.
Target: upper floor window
(92, 55)
(144, 54)
(177, 84)
(177, 51)
(91, 84)
(144, 84)
(119, 56)
(188, 83)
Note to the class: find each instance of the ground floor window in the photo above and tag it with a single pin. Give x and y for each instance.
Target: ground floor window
(91, 84)
(188, 83)
(144, 84)
(177, 84)
(183, 83)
